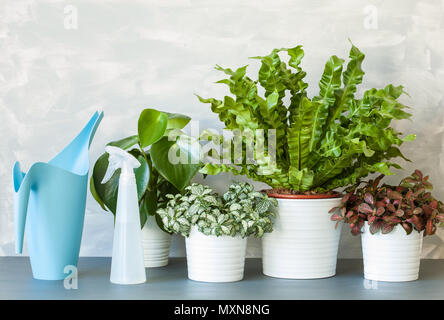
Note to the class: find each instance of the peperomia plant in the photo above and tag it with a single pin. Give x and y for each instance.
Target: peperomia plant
(410, 204)
(240, 211)
(322, 143)
(156, 176)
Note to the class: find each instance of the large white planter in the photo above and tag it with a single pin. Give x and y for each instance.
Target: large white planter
(156, 244)
(394, 256)
(215, 259)
(304, 243)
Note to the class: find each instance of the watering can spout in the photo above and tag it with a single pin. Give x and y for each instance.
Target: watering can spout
(74, 157)
(22, 189)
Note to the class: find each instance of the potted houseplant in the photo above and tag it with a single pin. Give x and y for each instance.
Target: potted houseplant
(392, 221)
(321, 144)
(158, 132)
(216, 228)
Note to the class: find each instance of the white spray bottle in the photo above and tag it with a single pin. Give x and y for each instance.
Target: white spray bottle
(127, 266)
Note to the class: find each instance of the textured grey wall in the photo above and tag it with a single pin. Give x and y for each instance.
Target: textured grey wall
(122, 56)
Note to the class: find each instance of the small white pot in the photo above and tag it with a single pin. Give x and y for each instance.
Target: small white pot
(156, 244)
(304, 242)
(215, 259)
(394, 256)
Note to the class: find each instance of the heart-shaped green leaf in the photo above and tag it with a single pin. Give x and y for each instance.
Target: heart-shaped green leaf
(178, 172)
(108, 192)
(151, 127)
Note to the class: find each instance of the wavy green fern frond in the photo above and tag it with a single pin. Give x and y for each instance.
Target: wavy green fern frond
(329, 141)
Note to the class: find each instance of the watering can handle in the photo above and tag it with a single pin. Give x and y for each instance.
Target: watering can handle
(22, 185)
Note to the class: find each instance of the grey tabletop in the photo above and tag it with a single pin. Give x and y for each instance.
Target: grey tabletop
(171, 283)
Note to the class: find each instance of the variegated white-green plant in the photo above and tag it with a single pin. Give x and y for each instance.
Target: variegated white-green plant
(240, 211)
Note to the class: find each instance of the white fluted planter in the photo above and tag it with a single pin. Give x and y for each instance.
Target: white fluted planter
(215, 259)
(394, 256)
(304, 243)
(156, 244)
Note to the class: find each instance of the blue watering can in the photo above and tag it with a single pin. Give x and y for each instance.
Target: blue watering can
(51, 199)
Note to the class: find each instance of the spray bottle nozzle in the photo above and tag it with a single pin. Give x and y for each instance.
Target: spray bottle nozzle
(119, 158)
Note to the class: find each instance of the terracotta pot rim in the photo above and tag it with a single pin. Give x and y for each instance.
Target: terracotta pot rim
(303, 196)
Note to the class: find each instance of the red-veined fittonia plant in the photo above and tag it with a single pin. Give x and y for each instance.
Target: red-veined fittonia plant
(410, 204)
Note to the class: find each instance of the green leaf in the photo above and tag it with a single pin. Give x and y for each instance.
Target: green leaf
(410, 137)
(151, 127)
(160, 224)
(143, 214)
(177, 120)
(301, 131)
(125, 143)
(351, 78)
(178, 174)
(301, 179)
(164, 187)
(211, 169)
(108, 192)
(333, 167)
(94, 193)
(272, 100)
(296, 54)
(330, 80)
(395, 92)
(329, 83)
(142, 173)
(150, 202)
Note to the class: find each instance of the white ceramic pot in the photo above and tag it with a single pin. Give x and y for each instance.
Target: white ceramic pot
(304, 242)
(394, 256)
(215, 259)
(156, 244)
